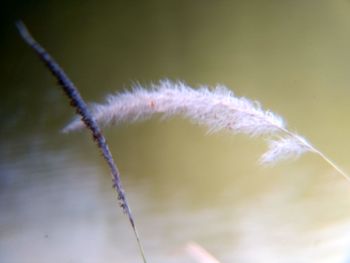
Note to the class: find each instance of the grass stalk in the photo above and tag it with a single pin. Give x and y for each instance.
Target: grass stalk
(81, 108)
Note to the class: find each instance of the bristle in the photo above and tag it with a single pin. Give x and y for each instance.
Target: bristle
(284, 148)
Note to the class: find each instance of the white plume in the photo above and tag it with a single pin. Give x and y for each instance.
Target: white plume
(218, 109)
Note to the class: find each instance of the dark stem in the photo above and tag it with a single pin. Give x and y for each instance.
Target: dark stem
(81, 108)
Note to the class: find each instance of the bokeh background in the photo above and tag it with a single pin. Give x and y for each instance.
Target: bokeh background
(56, 199)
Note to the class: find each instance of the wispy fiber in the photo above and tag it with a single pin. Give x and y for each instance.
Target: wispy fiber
(87, 119)
(216, 108)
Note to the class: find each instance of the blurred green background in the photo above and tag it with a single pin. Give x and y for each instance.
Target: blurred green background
(56, 198)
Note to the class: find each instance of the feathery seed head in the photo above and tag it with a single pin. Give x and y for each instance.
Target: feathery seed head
(216, 108)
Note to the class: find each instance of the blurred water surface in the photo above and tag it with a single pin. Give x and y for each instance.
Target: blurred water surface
(56, 199)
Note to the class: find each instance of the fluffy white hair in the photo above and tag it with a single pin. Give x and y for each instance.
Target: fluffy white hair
(217, 108)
